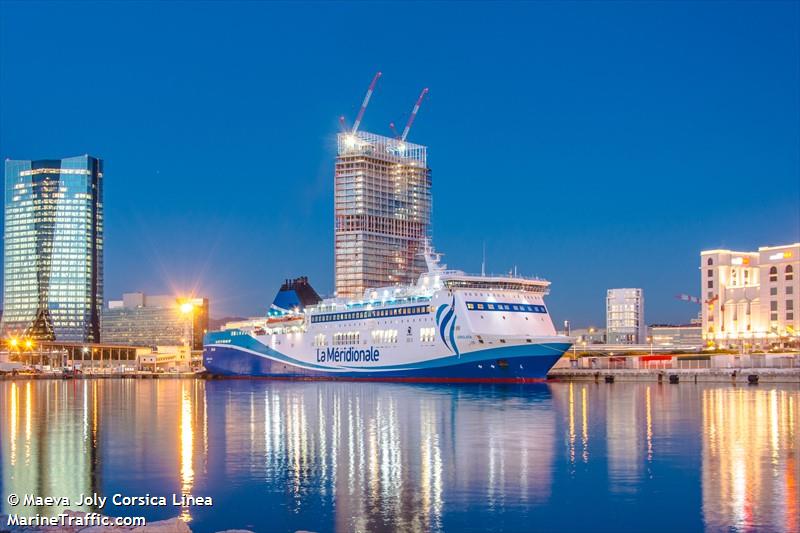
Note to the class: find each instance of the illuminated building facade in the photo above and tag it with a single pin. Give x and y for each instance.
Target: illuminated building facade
(625, 317)
(162, 320)
(382, 212)
(53, 249)
(686, 336)
(751, 297)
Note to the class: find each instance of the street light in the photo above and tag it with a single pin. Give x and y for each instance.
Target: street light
(13, 345)
(29, 347)
(187, 309)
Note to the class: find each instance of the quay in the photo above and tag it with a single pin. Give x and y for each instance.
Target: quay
(718, 367)
(9, 371)
(739, 376)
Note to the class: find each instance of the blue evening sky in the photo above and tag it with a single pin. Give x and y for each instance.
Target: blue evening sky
(598, 144)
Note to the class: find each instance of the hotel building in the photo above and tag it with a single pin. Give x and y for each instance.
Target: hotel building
(163, 320)
(625, 317)
(53, 249)
(751, 296)
(382, 212)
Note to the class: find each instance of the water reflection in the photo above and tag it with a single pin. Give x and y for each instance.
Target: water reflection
(39, 459)
(750, 459)
(379, 453)
(382, 457)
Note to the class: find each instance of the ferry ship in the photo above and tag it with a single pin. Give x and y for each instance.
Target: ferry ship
(449, 326)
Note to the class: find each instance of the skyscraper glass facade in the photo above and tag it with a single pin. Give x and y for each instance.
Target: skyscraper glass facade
(382, 210)
(53, 249)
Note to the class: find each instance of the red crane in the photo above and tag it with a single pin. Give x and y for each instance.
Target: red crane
(413, 114)
(364, 104)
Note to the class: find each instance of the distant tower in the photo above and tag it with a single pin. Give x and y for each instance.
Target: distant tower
(382, 210)
(625, 317)
(53, 249)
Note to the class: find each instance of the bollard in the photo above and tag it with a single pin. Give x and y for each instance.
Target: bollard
(752, 379)
(673, 378)
(609, 379)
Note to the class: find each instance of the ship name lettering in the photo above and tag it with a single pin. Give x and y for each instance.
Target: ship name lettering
(348, 355)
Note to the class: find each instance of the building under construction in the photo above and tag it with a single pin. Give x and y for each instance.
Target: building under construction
(382, 208)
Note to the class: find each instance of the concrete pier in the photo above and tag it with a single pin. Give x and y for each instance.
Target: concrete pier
(682, 375)
(116, 375)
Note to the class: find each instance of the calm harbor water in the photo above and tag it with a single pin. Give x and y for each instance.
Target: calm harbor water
(282, 456)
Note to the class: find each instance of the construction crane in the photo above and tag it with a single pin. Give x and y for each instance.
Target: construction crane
(413, 114)
(364, 104)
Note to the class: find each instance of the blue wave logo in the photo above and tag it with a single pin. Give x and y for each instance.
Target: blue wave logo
(446, 316)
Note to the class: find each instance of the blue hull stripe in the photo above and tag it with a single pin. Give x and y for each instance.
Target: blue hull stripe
(531, 361)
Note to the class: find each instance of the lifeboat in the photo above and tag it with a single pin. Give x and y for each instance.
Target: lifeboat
(285, 321)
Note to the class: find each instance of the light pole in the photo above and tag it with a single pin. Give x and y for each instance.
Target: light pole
(650, 340)
(29, 347)
(187, 310)
(13, 344)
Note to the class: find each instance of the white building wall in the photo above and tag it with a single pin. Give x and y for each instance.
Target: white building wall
(750, 295)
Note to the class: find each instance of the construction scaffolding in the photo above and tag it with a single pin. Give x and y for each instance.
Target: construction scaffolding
(382, 212)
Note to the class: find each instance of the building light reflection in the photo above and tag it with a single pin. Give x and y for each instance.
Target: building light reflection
(748, 476)
(585, 425)
(571, 424)
(13, 423)
(28, 422)
(187, 447)
(648, 407)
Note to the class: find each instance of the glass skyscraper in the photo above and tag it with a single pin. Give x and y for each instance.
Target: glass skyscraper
(383, 212)
(53, 249)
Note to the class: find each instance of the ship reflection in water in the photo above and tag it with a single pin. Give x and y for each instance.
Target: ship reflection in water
(282, 456)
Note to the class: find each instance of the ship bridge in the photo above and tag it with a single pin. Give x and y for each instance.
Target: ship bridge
(532, 285)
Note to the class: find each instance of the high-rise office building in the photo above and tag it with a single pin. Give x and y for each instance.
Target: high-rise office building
(625, 317)
(162, 320)
(53, 249)
(382, 210)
